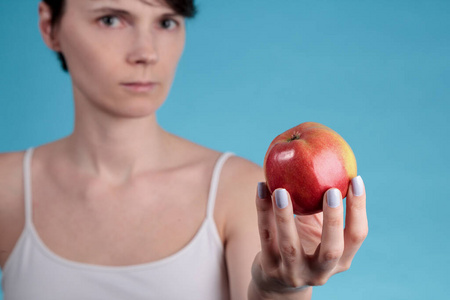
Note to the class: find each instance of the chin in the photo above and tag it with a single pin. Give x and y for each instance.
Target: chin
(137, 105)
(137, 110)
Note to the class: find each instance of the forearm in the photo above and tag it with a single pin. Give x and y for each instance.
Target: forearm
(255, 293)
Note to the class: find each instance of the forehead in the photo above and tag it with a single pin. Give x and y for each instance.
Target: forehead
(152, 3)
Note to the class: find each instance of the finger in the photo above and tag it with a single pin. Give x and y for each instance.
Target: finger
(356, 224)
(332, 244)
(266, 225)
(288, 239)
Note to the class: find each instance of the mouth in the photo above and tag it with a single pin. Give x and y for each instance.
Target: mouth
(139, 86)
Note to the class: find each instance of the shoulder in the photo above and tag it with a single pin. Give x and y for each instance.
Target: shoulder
(241, 174)
(237, 182)
(11, 176)
(236, 195)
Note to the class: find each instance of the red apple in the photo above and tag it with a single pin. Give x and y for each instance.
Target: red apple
(307, 160)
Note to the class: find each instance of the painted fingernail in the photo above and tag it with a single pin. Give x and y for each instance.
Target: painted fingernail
(262, 190)
(357, 186)
(333, 198)
(281, 198)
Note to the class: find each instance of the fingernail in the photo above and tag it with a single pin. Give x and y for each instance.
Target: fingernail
(281, 198)
(357, 186)
(262, 190)
(333, 198)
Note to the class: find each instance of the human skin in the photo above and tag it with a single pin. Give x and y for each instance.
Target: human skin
(306, 250)
(120, 50)
(117, 151)
(134, 48)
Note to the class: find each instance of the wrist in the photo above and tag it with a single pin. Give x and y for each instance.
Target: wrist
(257, 292)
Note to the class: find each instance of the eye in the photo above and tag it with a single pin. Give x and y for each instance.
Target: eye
(110, 21)
(168, 24)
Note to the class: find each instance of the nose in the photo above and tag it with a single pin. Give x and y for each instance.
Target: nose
(143, 50)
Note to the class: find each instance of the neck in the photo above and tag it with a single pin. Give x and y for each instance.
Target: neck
(118, 149)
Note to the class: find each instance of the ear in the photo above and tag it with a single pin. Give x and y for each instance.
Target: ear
(48, 31)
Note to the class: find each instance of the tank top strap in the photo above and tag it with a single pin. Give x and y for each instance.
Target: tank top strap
(27, 184)
(215, 183)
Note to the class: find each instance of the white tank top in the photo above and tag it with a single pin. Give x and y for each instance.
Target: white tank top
(197, 271)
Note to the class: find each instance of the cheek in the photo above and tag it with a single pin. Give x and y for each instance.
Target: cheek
(88, 54)
(171, 54)
(84, 59)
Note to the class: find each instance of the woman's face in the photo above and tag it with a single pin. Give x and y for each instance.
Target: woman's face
(122, 54)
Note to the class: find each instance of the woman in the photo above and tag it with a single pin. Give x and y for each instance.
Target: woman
(122, 209)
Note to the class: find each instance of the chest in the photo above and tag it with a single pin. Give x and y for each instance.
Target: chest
(144, 222)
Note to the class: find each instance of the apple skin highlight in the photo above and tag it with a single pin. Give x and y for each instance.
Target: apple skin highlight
(307, 160)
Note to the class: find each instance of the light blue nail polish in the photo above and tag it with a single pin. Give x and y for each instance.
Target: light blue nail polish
(357, 186)
(281, 198)
(262, 190)
(333, 198)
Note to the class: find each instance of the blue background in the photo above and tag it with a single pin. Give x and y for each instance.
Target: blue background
(378, 72)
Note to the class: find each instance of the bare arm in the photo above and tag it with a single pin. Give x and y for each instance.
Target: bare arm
(272, 255)
(242, 234)
(11, 202)
(305, 251)
(241, 230)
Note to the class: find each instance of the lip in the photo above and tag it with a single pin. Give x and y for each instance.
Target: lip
(139, 86)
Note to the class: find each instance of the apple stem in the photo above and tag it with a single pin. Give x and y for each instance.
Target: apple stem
(295, 136)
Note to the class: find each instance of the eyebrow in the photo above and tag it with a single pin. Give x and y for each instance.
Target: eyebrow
(163, 3)
(111, 10)
(143, 1)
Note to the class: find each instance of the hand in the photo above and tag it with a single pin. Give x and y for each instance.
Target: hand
(307, 250)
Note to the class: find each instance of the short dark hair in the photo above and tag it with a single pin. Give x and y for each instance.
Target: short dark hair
(185, 8)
